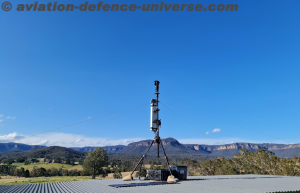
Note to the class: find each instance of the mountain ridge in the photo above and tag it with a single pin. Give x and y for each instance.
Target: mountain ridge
(227, 150)
(174, 147)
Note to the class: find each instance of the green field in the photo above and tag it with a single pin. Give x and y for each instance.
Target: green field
(48, 166)
(17, 164)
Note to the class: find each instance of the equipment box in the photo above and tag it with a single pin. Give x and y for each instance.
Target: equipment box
(158, 175)
(179, 172)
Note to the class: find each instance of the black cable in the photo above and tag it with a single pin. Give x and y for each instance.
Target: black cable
(80, 122)
(100, 124)
(228, 123)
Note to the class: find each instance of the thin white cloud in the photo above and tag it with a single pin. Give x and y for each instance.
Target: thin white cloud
(29, 109)
(10, 137)
(65, 139)
(216, 130)
(103, 142)
(1, 120)
(10, 118)
(89, 118)
(79, 140)
(126, 142)
(207, 133)
(43, 142)
(1, 115)
(2, 125)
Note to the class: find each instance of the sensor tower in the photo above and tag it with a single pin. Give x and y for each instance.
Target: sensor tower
(155, 124)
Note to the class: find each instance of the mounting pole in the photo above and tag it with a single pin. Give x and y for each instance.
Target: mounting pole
(158, 122)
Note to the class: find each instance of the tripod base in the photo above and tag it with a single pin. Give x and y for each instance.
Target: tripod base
(128, 178)
(171, 178)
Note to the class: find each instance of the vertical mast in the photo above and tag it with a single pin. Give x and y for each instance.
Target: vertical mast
(154, 118)
(158, 122)
(156, 83)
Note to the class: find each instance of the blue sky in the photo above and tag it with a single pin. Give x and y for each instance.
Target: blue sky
(59, 68)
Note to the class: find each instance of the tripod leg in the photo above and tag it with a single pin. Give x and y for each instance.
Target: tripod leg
(142, 158)
(140, 170)
(166, 157)
(171, 178)
(158, 150)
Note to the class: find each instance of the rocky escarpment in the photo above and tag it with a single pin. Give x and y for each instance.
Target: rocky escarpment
(114, 149)
(7, 147)
(233, 146)
(110, 149)
(228, 150)
(171, 146)
(167, 141)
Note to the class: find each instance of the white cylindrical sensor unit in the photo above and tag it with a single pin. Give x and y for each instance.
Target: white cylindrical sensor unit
(154, 117)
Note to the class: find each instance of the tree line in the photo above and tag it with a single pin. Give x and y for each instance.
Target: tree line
(39, 171)
(246, 162)
(97, 161)
(28, 161)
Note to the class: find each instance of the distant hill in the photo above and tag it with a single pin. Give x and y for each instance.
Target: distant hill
(48, 152)
(7, 147)
(228, 150)
(110, 149)
(173, 147)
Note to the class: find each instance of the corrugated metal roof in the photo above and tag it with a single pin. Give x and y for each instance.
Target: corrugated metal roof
(207, 184)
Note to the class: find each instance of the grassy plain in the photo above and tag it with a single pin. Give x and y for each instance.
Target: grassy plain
(10, 180)
(7, 180)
